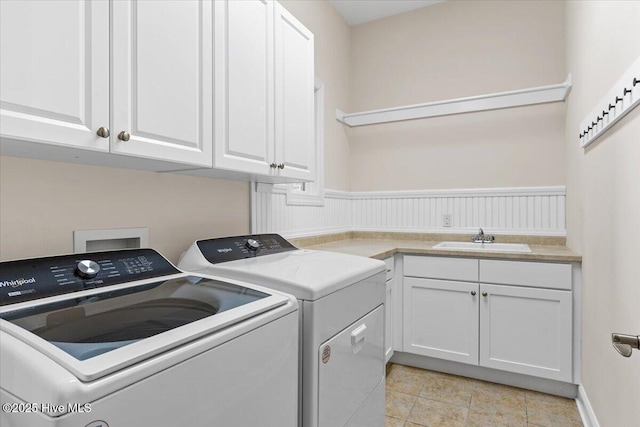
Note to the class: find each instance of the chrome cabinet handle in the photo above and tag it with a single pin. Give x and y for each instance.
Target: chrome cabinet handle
(103, 132)
(484, 294)
(273, 166)
(124, 136)
(473, 293)
(281, 166)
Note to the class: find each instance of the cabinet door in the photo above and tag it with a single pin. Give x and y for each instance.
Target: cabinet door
(54, 72)
(388, 321)
(244, 86)
(294, 71)
(441, 319)
(526, 330)
(162, 77)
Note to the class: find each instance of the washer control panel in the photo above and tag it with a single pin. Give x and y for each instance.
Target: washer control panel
(239, 247)
(30, 279)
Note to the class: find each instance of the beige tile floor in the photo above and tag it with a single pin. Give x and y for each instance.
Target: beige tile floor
(418, 398)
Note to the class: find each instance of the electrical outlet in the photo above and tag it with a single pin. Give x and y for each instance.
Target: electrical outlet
(447, 220)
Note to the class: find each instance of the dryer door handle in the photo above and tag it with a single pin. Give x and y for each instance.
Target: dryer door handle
(358, 334)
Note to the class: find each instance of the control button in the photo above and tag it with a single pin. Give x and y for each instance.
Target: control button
(87, 269)
(253, 245)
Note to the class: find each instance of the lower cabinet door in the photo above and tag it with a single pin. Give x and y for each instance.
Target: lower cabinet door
(388, 321)
(526, 330)
(441, 319)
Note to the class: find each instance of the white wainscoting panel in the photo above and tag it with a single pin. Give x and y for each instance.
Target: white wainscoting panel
(270, 213)
(522, 211)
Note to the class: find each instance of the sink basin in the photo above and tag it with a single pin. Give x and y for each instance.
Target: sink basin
(483, 247)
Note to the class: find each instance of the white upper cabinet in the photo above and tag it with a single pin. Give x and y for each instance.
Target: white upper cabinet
(162, 80)
(244, 86)
(294, 71)
(57, 59)
(225, 87)
(54, 75)
(264, 91)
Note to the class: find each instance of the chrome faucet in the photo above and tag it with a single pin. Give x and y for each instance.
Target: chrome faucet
(482, 238)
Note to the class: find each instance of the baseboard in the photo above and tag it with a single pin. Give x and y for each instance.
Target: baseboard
(584, 407)
(543, 385)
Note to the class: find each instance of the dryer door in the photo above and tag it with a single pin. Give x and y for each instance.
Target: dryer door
(351, 367)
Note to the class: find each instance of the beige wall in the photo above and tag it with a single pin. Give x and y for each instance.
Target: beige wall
(42, 203)
(451, 50)
(603, 184)
(332, 53)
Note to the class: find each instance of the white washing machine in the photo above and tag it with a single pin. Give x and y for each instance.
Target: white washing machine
(123, 338)
(341, 301)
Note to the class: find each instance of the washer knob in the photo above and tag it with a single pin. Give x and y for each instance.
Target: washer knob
(253, 245)
(87, 269)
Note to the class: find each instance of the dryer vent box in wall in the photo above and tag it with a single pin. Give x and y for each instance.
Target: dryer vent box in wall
(110, 239)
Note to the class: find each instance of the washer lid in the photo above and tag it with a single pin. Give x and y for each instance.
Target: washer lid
(305, 274)
(94, 333)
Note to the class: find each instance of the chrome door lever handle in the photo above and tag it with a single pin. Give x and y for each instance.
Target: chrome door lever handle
(625, 344)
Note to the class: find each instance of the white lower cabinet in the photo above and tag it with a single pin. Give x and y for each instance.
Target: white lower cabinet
(441, 319)
(526, 330)
(388, 310)
(522, 329)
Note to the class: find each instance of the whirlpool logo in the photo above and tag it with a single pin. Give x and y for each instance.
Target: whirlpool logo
(17, 283)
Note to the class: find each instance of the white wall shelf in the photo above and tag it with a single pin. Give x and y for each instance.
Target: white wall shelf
(492, 101)
(623, 97)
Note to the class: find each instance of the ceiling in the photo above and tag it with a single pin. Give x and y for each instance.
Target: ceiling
(359, 11)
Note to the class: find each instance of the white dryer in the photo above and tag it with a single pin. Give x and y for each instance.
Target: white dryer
(123, 338)
(341, 301)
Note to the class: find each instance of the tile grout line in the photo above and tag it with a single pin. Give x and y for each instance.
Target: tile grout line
(414, 403)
